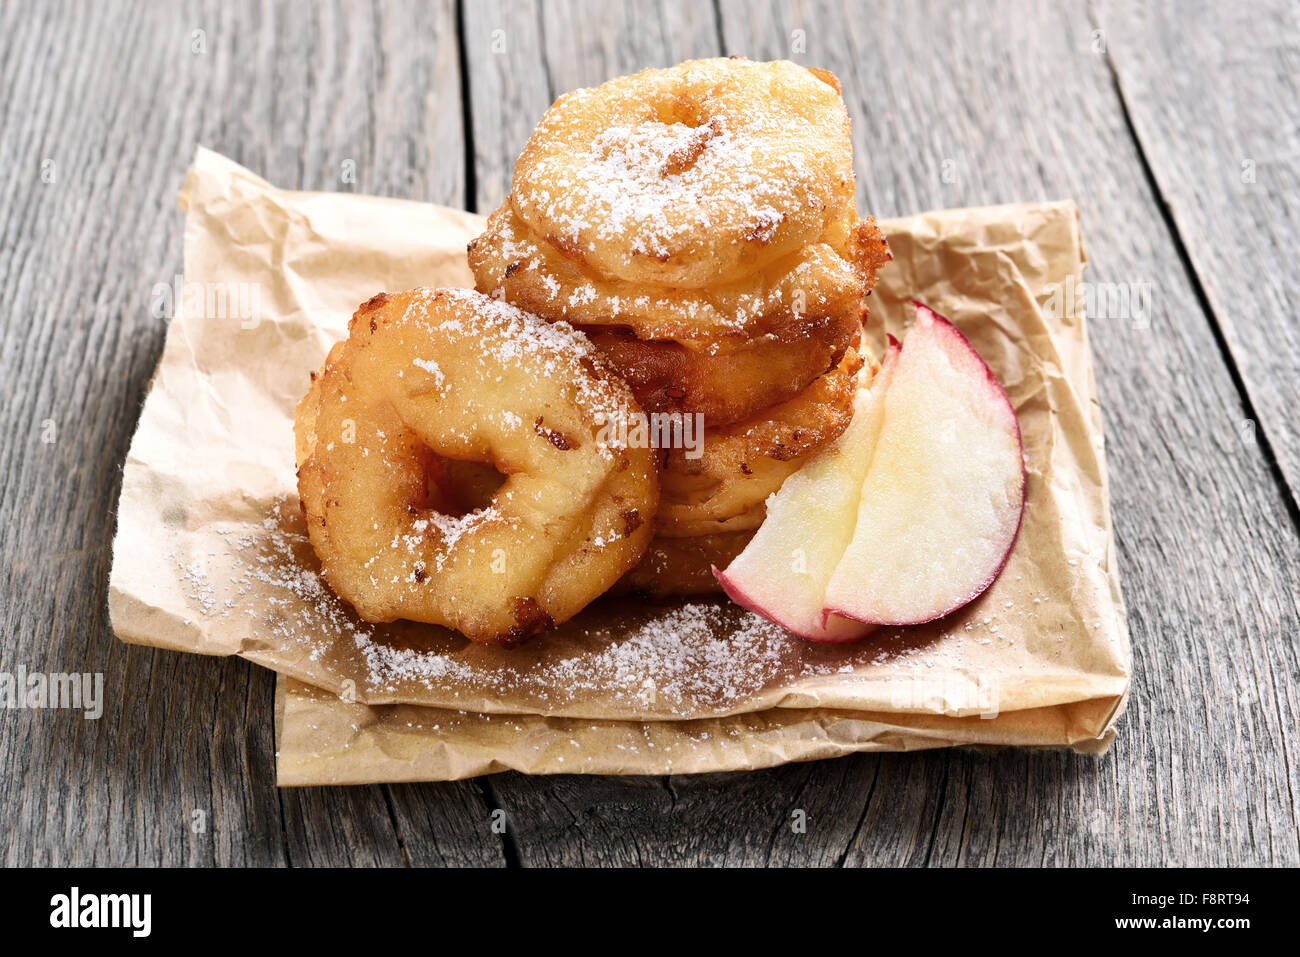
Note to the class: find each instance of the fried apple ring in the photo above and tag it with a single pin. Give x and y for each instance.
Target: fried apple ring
(744, 463)
(746, 521)
(683, 567)
(687, 176)
(726, 384)
(433, 377)
(826, 279)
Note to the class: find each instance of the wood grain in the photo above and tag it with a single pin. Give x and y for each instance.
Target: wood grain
(294, 93)
(951, 107)
(1211, 90)
(1208, 548)
(1207, 544)
(520, 56)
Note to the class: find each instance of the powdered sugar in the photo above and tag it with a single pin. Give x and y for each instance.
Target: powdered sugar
(688, 176)
(684, 659)
(503, 337)
(431, 367)
(455, 527)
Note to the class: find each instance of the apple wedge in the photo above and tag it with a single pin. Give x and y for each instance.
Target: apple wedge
(783, 572)
(944, 491)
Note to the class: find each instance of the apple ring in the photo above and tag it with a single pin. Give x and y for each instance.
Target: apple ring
(746, 521)
(440, 376)
(683, 176)
(827, 279)
(727, 384)
(746, 462)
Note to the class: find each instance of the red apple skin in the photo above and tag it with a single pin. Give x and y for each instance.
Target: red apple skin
(741, 598)
(951, 329)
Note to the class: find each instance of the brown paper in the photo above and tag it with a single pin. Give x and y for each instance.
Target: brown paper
(323, 740)
(211, 557)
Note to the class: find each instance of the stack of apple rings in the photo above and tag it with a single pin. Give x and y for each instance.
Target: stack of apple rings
(699, 224)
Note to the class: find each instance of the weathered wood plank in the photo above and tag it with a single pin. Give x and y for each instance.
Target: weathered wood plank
(508, 90)
(963, 106)
(802, 814)
(108, 102)
(448, 825)
(951, 107)
(949, 110)
(77, 346)
(340, 827)
(1211, 90)
(521, 55)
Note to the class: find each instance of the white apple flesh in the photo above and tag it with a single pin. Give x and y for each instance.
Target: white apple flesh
(783, 572)
(941, 503)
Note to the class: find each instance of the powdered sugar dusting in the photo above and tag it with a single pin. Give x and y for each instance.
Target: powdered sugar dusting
(451, 529)
(815, 281)
(431, 367)
(686, 659)
(632, 182)
(710, 161)
(502, 335)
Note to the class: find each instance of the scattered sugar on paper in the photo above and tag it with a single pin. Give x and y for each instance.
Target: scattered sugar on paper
(681, 659)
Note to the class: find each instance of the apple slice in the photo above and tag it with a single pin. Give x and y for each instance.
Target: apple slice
(783, 571)
(944, 492)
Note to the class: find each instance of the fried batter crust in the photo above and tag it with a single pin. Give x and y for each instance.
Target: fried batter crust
(433, 377)
(688, 176)
(744, 463)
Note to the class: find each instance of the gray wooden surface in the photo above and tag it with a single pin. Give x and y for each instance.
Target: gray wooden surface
(1173, 127)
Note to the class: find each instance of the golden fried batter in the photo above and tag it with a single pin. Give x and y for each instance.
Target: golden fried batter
(826, 279)
(429, 378)
(688, 176)
(744, 463)
(727, 383)
(681, 567)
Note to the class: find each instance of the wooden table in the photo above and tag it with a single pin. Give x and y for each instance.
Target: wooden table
(1174, 128)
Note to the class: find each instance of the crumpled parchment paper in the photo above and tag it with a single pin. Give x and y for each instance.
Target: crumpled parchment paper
(211, 556)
